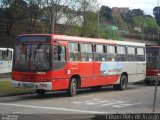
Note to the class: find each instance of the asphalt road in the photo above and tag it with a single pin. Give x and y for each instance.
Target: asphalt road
(135, 99)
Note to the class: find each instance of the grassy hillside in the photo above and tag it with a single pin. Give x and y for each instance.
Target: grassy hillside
(148, 22)
(19, 27)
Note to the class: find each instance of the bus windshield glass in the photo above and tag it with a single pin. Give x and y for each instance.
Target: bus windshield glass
(152, 57)
(32, 57)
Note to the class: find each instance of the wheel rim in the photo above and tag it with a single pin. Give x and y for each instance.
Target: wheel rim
(74, 88)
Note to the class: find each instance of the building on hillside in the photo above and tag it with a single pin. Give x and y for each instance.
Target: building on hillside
(121, 10)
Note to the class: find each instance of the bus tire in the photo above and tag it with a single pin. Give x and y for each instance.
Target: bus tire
(40, 92)
(72, 91)
(123, 83)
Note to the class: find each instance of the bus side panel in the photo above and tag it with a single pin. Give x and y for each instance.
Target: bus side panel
(60, 84)
(134, 70)
(141, 70)
(72, 68)
(86, 71)
(105, 80)
(91, 75)
(104, 73)
(130, 69)
(60, 79)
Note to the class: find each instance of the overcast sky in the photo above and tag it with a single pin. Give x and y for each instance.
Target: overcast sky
(146, 5)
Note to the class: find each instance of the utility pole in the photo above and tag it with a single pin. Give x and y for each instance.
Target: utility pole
(53, 17)
(142, 28)
(158, 14)
(158, 64)
(98, 25)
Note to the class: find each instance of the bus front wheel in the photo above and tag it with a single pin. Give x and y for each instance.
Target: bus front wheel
(123, 83)
(72, 91)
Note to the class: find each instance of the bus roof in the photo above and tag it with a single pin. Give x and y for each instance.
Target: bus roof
(95, 40)
(88, 40)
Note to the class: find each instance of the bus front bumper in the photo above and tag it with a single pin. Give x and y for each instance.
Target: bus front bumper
(33, 85)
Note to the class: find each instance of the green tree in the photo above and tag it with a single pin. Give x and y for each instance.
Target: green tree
(15, 10)
(34, 13)
(106, 12)
(156, 12)
(137, 12)
(128, 18)
(86, 8)
(59, 12)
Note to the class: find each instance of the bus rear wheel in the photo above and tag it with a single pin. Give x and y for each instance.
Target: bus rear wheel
(72, 91)
(40, 92)
(123, 83)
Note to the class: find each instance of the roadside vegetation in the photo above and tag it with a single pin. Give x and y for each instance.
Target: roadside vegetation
(7, 90)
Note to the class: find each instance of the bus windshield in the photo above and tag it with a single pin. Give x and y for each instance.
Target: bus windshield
(152, 57)
(32, 57)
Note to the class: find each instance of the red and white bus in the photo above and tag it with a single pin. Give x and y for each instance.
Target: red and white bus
(59, 62)
(152, 67)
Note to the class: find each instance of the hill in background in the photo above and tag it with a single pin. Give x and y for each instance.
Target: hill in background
(114, 23)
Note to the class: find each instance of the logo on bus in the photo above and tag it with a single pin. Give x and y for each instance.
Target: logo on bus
(110, 68)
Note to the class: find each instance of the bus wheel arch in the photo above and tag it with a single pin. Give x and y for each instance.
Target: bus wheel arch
(122, 83)
(74, 83)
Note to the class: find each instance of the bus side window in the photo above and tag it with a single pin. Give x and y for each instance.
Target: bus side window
(100, 53)
(111, 53)
(121, 53)
(4, 55)
(74, 52)
(86, 52)
(59, 53)
(9, 56)
(140, 54)
(131, 54)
